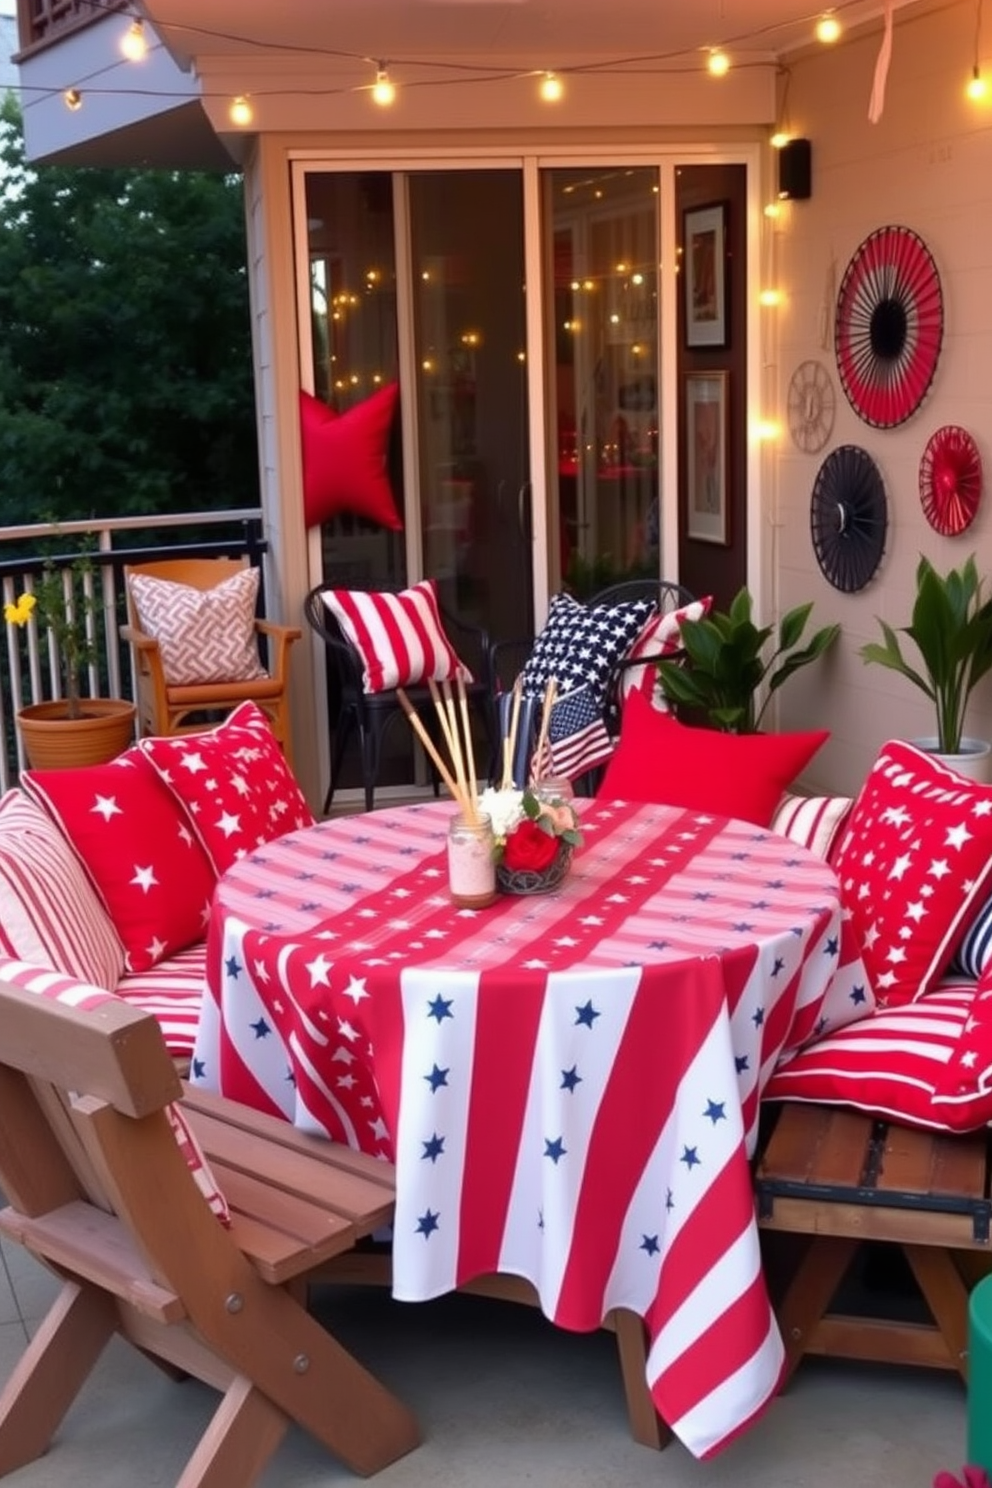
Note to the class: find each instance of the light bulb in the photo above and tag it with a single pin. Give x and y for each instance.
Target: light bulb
(134, 43)
(383, 90)
(552, 89)
(718, 63)
(772, 209)
(72, 98)
(977, 88)
(779, 139)
(828, 28)
(241, 111)
(770, 297)
(767, 429)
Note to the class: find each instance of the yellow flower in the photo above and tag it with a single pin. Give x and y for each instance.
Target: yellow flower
(20, 613)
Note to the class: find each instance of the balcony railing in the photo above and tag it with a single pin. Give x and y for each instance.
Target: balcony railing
(30, 669)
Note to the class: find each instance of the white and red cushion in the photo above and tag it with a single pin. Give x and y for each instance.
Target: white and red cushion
(234, 784)
(203, 635)
(172, 991)
(77, 993)
(662, 636)
(815, 822)
(50, 914)
(907, 1063)
(399, 637)
(139, 848)
(914, 863)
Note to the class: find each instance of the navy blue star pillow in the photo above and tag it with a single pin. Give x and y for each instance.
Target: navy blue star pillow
(581, 645)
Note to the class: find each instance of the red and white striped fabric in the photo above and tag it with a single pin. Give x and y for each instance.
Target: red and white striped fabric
(172, 991)
(399, 637)
(925, 1063)
(662, 636)
(569, 1084)
(815, 822)
(50, 914)
(78, 994)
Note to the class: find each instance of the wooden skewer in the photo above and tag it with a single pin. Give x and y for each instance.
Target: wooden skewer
(441, 715)
(456, 750)
(427, 742)
(510, 742)
(550, 692)
(473, 784)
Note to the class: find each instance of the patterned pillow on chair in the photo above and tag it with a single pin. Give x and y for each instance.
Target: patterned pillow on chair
(581, 646)
(399, 637)
(204, 635)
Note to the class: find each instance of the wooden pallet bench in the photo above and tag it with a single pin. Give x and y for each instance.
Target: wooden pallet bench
(842, 1178)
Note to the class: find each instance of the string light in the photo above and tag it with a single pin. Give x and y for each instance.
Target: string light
(828, 28)
(552, 88)
(977, 88)
(134, 42)
(718, 63)
(241, 111)
(779, 139)
(383, 89)
(73, 99)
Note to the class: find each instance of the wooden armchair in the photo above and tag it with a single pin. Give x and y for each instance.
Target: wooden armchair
(98, 1189)
(167, 708)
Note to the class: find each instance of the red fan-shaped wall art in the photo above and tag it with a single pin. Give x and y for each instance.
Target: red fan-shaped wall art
(950, 480)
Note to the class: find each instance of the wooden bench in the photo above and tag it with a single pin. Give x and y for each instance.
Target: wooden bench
(843, 1178)
(99, 1190)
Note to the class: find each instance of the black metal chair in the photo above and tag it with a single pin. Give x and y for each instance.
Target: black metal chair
(353, 711)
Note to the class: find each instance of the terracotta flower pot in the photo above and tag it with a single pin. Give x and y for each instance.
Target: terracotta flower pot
(54, 742)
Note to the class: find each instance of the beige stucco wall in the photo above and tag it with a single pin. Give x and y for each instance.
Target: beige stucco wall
(926, 165)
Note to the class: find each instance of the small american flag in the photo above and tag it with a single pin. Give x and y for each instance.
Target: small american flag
(577, 737)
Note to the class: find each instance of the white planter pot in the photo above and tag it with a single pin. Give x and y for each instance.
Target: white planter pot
(974, 761)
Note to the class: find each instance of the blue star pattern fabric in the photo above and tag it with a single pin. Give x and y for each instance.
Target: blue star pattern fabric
(580, 645)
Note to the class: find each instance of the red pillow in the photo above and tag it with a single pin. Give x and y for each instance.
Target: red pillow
(741, 775)
(925, 1063)
(345, 459)
(913, 864)
(138, 848)
(234, 783)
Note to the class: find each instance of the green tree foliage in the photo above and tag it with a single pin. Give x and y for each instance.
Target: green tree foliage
(125, 341)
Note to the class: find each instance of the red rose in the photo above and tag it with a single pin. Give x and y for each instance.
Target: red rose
(528, 847)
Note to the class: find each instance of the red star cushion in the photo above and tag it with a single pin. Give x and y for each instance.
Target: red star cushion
(924, 1063)
(913, 864)
(740, 775)
(345, 459)
(138, 847)
(234, 783)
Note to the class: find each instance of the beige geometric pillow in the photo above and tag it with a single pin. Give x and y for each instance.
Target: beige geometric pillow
(204, 635)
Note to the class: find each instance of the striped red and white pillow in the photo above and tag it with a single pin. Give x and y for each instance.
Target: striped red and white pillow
(399, 637)
(172, 990)
(74, 992)
(924, 1063)
(50, 914)
(662, 636)
(812, 821)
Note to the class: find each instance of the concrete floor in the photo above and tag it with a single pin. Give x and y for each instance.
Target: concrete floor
(503, 1399)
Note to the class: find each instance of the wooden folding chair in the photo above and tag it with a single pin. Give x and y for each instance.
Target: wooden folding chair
(99, 1190)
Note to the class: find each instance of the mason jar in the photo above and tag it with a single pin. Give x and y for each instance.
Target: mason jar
(471, 862)
(553, 788)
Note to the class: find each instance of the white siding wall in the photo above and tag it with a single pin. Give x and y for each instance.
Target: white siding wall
(927, 165)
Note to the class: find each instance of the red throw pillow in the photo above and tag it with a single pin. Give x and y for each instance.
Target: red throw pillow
(902, 1064)
(345, 457)
(914, 863)
(138, 847)
(234, 783)
(741, 775)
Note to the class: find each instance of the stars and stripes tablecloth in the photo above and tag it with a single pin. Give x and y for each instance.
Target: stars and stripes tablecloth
(568, 1084)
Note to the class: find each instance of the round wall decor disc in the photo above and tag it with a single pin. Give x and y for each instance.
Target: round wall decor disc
(889, 326)
(811, 406)
(848, 518)
(950, 480)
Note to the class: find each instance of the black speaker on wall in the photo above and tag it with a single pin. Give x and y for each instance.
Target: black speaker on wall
(795, 170)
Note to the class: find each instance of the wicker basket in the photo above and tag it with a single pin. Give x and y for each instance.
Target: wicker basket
(526, 881)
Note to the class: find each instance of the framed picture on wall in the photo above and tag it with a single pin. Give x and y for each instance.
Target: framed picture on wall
(707, 421)
(704, 264)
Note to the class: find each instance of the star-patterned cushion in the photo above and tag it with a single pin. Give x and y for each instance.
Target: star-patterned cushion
(925, 1063)
(662, 636)
(139, 849)
(76, 993)
(914, 864)
(234, 783)
(582, 645)
(739, 775)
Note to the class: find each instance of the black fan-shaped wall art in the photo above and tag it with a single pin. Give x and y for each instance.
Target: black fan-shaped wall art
(889, 326)
(848, 518)
(950, 480)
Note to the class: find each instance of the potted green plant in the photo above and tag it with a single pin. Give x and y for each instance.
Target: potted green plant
(72, 729)
(728, 663)
(952, 631)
